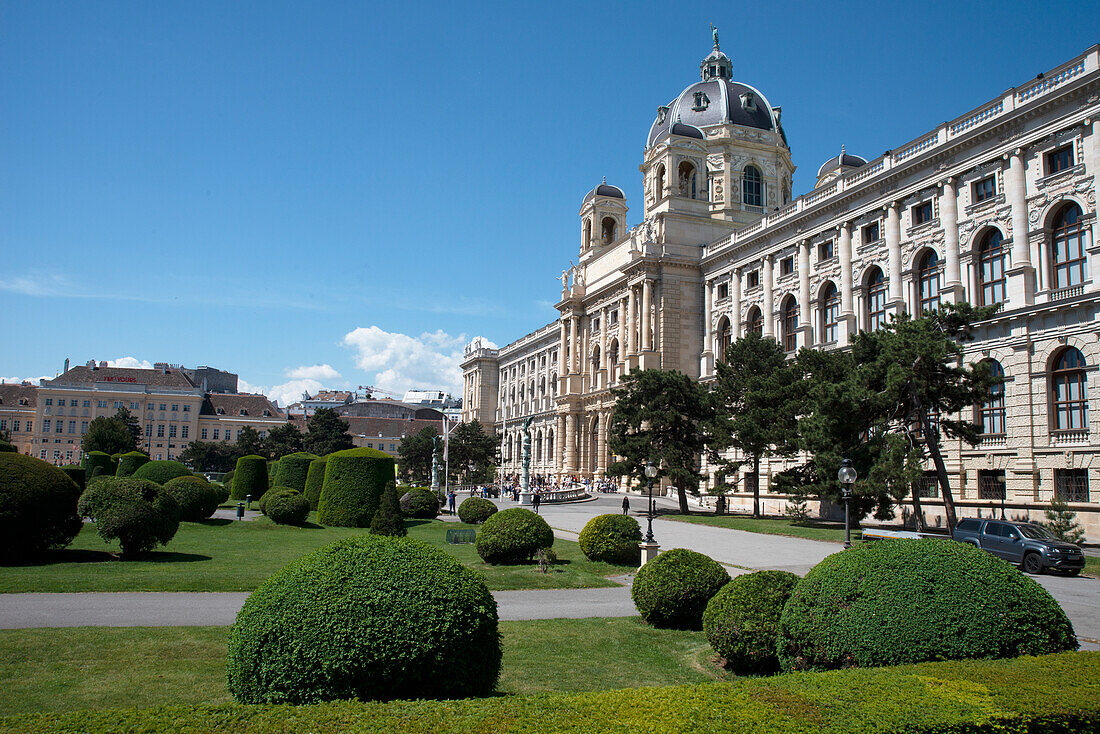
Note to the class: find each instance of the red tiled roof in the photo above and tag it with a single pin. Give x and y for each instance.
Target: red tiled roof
(84, 375)
(231, 405)
(11, 394)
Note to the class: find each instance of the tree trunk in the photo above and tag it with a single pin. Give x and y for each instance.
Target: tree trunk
(932, 441)
(756, 486)
(681, 495)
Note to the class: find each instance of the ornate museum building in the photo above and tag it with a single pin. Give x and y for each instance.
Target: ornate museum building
(996, 206)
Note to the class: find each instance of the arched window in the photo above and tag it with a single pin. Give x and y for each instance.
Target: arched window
(830, 313)
(752, 186)
(1068, 248)
(991, 268)
(596, 357)
(929, 273)
(550, 444)
(687, 180)
(724, 334)
(1068, 391)
(587, 233)
(538, 447)
(659, 189)
(608, 227)
(992, 411)
(553, 385)
(876, 299)
(756, 321)
(790, 325)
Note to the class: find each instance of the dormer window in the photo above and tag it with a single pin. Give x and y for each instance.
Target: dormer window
(662, 114)
(748, 102)
(702, 101)
(220, 411)
(242, 411)
(267, 413)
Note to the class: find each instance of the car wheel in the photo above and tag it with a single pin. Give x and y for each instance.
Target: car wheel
(1033, 564)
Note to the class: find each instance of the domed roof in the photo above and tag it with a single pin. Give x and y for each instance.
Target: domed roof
(844, 160)
(605, 189)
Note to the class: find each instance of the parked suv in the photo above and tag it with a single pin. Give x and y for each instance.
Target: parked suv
(1026, 544)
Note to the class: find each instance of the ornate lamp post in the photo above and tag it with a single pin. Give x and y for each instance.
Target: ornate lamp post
(847, 477)
(650, 473)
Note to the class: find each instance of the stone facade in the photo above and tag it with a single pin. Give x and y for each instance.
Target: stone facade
(997, 205)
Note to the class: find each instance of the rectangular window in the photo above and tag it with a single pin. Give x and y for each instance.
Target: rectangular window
(922, 213)
(870, 233)
(101, 403)
(148, 429)
(175, 407)
(238, 434)
(185, 431)
(215, 434)
(186, 408)
(786, 266)
(42, 454)
(1060, 159)
(133, 406)
(118, 404)
(59, 427)
(160, 430)
(163, 406)
(3, 424)
(984, 189)
(753, 278)
(1071, 485)
(87, 403)
(30, 426)
(927, 486)
(83, 427)
(991, 484)
(825, 251)
(15, 426)
(72, 426)
(613, 319)
(370, 445)
(202, 434)
(49, 401)
(46, 426)
(172, 431)
(723, 291)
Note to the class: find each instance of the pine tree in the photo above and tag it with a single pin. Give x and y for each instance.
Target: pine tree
(1062, 521)
(388, 519)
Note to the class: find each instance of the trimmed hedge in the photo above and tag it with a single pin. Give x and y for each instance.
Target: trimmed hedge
(907, 601)
(1054, 694)
(315, 479)
(419, 503)
(37, 506)
(476, 510)
(221, 492)
(8, 448)
(138, 513)
(512, 536)
(354, 481)
(130, 462)
(249, 477)
(288, 508)
(741, 621)
(77, 474)
(673, 589)
(366, 617)
(161, 472)
(293, 469)
(97, 463)
(227, 480)
(612, 538)
(196, 497)
(261, 504)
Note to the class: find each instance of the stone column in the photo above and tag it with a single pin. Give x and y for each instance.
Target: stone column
(893, 247)
(601, 443)
(706, 360)
(647, 306)
(622, 332)
(632, 326)
(574, 345)
(806, 325)
(586, 362)
(768, 308)
(949, 219)
(605, 366)
(735, 305)
(1020, 274)
(559, 445)
(570, 443)
(562, 347)
(844, 247)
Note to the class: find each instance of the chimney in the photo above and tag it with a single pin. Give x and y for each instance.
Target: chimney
(102, 364)
(66, 364)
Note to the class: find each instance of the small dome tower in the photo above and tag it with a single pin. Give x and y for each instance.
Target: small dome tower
(603, 216)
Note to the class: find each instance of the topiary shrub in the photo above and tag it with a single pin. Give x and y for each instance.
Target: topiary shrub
(475, 510)
(354, 480)
(196, 497)
(368, 618)
(892, 602)
(161, 472)
(612, 539)
(138, 513)
(315, 479)
(227, 480)
(288, 508)
(419, 503)
(130, 462)
(512, 536)
(37, 507)
(98, 462)
(673, 589)
(249, 477)
(77, 474)
(221, 492)
(389, 519)
(8, 448)
(293, 469)
(261, 504)
(741, 621)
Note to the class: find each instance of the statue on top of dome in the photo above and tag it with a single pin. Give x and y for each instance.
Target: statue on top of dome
(714, 33)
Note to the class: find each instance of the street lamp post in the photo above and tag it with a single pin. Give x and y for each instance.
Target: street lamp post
(847, 477)
(650, 473)
(1001, 481)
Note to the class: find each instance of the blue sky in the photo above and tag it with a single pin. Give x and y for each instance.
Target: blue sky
(344, 193)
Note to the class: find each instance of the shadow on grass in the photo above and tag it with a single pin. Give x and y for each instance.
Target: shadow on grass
(412, 523)
(72, 555)
(214, 522)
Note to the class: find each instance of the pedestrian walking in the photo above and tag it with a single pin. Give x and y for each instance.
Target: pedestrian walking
(626, 505)
(535, 502)
(451, 501)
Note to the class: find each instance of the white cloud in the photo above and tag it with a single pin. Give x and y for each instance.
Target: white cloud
(315, 372)
(34, 285)
(401, 362)
(19, 380)
(131, 363)
(284, 394)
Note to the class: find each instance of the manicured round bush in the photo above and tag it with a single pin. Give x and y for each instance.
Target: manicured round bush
(221, 492)
(138, 513)
(293, 469)
(261, 504)
(98, 462)
(288, 508)
(741, 621)
(227, 479)
(370, 618)
(37, 507)
(130, 462)
(673, 589)
(419, 503)
(9, 448)
(475, 510)
(161, 472)
(249, 478)
(77, 474)
(315, 479)
(354, 480)
(612, 539)
(893, 602)
(196, 497)
(512, 536)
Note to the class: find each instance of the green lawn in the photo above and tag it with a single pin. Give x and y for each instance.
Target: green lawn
(225, 555)
(53, 670)
(1092, 565)
(829, 531)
